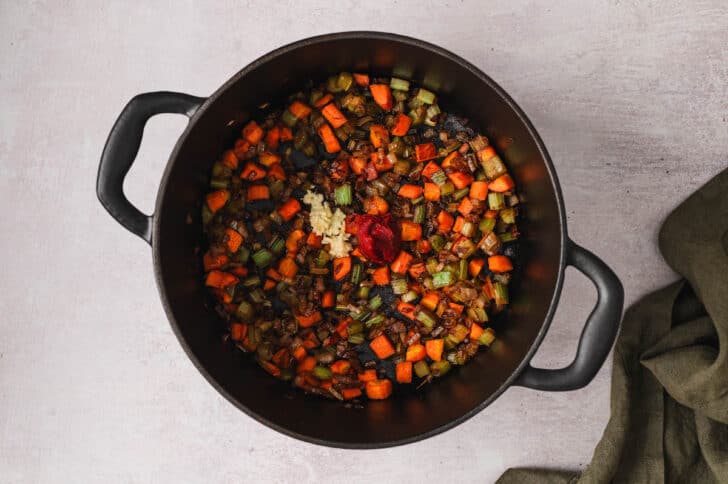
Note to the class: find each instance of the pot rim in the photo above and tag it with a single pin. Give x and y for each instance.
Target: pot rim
(485, 79)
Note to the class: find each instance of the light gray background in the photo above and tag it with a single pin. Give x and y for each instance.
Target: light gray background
(630, 98)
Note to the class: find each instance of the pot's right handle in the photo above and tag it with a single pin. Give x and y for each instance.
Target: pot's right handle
(122, 147)
(599, 331)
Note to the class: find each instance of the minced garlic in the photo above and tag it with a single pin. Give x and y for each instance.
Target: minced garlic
(330, 226)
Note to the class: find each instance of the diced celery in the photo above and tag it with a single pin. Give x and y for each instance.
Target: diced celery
(421, 369)
(501, 293)
(425, 96)
(487, 338)
(399, 285)
(342, 195)
(375, 302)
(439, 368)
(496, 201)
(399, 84)
(262, 258)
(508, 215)
(486, 225)
(442, 279)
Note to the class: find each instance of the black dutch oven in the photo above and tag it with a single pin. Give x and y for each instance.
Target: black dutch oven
(545, 248)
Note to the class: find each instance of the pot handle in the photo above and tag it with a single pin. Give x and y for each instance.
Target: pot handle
(122, 147)
(599, 331)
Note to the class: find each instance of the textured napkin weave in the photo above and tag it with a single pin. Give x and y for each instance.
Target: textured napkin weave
(669, 401)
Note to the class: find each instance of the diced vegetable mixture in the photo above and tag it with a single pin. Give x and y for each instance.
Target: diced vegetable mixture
(359, 239)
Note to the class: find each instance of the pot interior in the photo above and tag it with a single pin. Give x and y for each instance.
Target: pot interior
(461, 89)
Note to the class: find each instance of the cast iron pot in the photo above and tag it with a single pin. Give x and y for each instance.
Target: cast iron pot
(545, 250)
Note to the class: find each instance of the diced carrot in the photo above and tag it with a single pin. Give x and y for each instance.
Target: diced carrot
(309, 320)
(410, 191)
(475, 331)
(430, 169)
(333, 115)
(376, 205)
(299, 353)
(378, 389)
(460, 179)
(314, 241)
(340, 367)
(378, 135)
(401, 263)
(282, 358)
(499, 263)
(423, 246)
(270, 367)
(479, 190)
(252, 171)
(328, 300)
(307, 364)
(286, 134)
(382, 95)
(276, 171)
(272, 137)
(268, 158)
(415, 352)
(465, 207)
(368, 375)
(434, 348)
(382, 347)
(238, 331)
(220, 279)
(432, 192)
(351, 224)
(222, 295)
(488, 288)
(293, 242)
(357, 164)
(342, 327)
(311, 341)
(289, 209)
(381, 163)
(403, 372)
(357, 253)
(273, 274)
(410, 231)
(450, 159)
(287, 267)
(361, 79)
(406, 309)
(342, 267)
(486, 154)
(233, 240)
(252, 133)
(217, 199)
(339, 169)
(458, 308)
(475, 266)
(299, 110)
(329, 138)
(381, 276)
(444, 221)
(425, 151)
(241, 148)
(501, 184)
(350, 393)
(459, 222)
(324, 100)
(401, 125)
(211, 261)
(229, 159)
(258, 192)
(239, 271)
(416, 270)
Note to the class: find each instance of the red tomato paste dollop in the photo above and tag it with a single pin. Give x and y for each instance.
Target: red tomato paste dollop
(379, 237)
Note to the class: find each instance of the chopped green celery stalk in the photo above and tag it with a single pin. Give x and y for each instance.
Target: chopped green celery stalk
(344, 81)
(375, 302)
(459, 333)
(501, 293)
(288, 118)
(251, 281)
(416, 117)
(465, 248)
(439, 178)
(262, 258)
(418, 200)
(426, 96)
(206, 215)
(356, 274)
(487, 338)
(419, 215)
(399, 84)
(463, 269)
(363, 292)
(277, 245)
(494, 167)
(478, 143)
(460, 194)
(431, 265)
(496, 201)
(220, 170)
(421, 369)
(400, 95)
(342, 195)
(341, 307)
(399, 285)
(439, 368)
(218, 184)
(506, 236)
(245, 311)
(257, 296)
(322, 259)
(332, 84)
(437, 242)
(321, 372)
(254, 336)
(446, 189)
(508, 215)
(374, 321)
(428, 284)
(356, 339)
(360, 315)
(354, 327)
(486, 225)
(442, 279)
(432, 111)
(409, 296)
(243, 254)
(468, 229)
(478, 314)
(425, 317)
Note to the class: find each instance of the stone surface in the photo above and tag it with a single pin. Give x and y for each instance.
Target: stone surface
(630, 97)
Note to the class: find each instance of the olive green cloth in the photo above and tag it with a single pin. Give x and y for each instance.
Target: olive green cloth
(669, 399)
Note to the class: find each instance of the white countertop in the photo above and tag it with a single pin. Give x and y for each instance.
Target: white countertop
(631, 99)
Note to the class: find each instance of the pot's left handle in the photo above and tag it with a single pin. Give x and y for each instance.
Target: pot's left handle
(122, 147)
